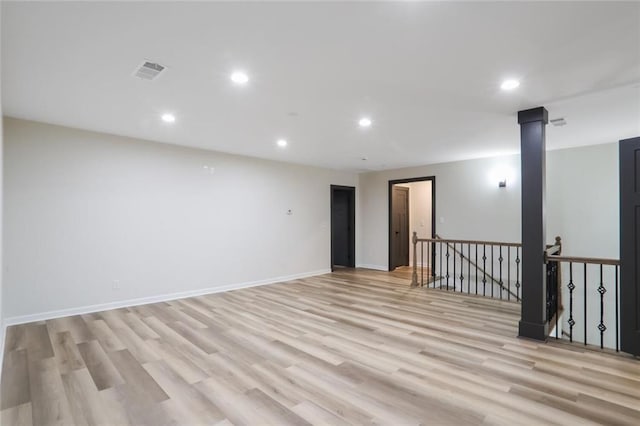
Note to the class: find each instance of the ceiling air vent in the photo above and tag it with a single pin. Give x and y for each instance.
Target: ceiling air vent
(558, 122)
(149, 71)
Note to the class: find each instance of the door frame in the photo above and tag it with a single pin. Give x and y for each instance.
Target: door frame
(352, 222)
(629, 232)
(433, 209)
(394, 259)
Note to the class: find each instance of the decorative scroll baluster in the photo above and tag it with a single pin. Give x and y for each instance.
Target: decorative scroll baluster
(454, 267)
(484, 269)
(500, 272)
(509, 273)
(447, 256)
(601, 326)
(461, 267)
(571, 287)
(492, 274)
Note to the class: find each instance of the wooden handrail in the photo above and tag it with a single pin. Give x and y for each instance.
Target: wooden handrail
(554, 248)
(437, 239)
(575, 259)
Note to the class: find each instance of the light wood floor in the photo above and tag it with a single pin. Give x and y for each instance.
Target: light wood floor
(350, 347)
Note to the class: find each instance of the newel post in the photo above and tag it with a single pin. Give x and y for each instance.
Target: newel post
(533, 322)
(414, 276)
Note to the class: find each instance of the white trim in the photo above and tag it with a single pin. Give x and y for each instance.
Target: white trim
(22, 319)
(376, 267)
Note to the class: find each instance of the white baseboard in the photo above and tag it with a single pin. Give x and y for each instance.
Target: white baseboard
(376, 267)
(22, 319)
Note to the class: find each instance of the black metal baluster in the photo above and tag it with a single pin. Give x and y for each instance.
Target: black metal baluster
(428, 262)
(492, 274)
(421, 264)
(571, 287)
(447, 256)
(602, 291)
(476, 269)
(432, 262)
(484, 269)
(616, 303)
(518, 273)
(585, 304)
(454, 266)
(468, 268)
(461, 267)
(508, 272)
(500, 267)
(440, 264)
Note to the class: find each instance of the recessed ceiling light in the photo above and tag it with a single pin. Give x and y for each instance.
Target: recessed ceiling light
(240, 78)
(509, 84)
(365, 122)
(168, 118)
(281, 143)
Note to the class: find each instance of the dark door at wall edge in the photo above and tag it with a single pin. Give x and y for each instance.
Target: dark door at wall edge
(630, 245)
(343, 220)
(399, 227)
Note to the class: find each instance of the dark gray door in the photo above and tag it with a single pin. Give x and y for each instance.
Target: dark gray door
(400, 227)
(342, 226)
(630, 245)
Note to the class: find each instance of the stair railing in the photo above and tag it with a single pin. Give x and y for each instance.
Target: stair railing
(593, 296)
(486, 268)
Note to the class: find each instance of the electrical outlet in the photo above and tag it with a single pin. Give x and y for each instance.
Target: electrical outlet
(115, 285)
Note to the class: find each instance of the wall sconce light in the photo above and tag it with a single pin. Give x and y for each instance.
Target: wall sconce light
(502, 183)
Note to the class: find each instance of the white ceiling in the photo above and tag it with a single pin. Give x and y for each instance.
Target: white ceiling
(428, 74)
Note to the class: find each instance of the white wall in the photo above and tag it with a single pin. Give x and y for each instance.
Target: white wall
(468, 201)
(84, 210)
(582, 201)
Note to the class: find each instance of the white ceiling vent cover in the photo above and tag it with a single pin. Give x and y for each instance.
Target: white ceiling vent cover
(149, 70)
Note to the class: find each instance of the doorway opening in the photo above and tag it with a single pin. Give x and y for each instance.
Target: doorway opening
(343, 226)
(412, 208)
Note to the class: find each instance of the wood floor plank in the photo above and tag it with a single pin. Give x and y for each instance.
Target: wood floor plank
(136, 377)
(351, 347)
(38, 341)
(84, 400)
(104, 374)
(49, 402)
(19, 415)
(16, 338)
(15, 380)
(105, 336)
(193, 404)
(74, 325)
(66, 352)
